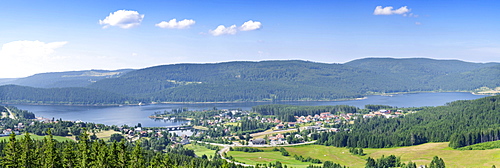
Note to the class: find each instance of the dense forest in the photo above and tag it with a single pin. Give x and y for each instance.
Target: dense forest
(265, 81)
(26, 152)
(463, 122)
(12, 94)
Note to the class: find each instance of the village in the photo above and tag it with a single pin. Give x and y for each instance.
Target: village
(284, 133)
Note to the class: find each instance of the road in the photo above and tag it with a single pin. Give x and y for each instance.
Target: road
(10, 113)
(272, 132)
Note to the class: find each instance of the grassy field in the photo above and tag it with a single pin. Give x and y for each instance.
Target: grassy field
(233, 124)
(105, 135)
(200, 150)
(37, 137)
(265, 157)
(328, 153)
(421, 154)
(200, 127)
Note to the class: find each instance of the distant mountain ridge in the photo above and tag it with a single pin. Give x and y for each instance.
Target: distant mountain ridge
(280, 80)
(65, 79)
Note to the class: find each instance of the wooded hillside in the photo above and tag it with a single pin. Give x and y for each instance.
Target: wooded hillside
(282, 81)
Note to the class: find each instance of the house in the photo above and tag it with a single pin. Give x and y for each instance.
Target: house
(258, 141)
(185, 141)
(325, 114)
(280, 137)
(280, 126)
(312, 127)
(291, 124)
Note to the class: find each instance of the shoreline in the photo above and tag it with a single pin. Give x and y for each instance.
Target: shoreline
(360, 98)
(141, 104)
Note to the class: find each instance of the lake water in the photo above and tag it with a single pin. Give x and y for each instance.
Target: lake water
(131, 115)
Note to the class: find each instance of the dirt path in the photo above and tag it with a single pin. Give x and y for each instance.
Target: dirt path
(10, 113)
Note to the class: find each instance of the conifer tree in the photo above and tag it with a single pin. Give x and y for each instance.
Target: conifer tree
(50, 157)
(137, 156)
(370, 163)
(101, 154)
(122, 154)
(437, 163)
(84, 148)
(10, 151)
(69, 155)
(28, 156)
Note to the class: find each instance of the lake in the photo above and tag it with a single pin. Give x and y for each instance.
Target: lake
(131, 115)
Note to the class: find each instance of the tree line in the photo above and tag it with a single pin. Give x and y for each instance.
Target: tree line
(463, 122)
(26, 152)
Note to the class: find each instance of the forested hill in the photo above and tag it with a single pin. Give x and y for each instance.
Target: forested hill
(463, 122)
(13, 94)
(300, 80)
(243, 81)
(296, 80)
(65, 79)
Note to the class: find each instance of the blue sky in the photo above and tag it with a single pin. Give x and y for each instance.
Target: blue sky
(40, 36)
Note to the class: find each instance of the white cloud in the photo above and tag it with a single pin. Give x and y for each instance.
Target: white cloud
(247, 26)
(173, 24)
(23, 58)
(250, 25)
(418, 23)
(122, 18)
(389, 10)
(30, 49)
(410, 15)
(221, 30)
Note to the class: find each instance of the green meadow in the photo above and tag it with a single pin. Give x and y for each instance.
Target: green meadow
(37, 137)
(420, 154)
(266, 157)
(200, 150)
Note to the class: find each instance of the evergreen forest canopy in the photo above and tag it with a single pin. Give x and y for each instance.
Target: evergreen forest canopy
(462, 123)
(263, 81)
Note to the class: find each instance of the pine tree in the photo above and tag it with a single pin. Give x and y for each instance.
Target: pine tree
(101, 154)
(113, 153)
(370, 163)
(84, 148)
(69, 156)
(437, 163)
(137, 156)
(11, 155)
(50, 157)
(122, 154)
(28, 156)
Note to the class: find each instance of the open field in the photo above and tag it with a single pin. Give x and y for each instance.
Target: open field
(37, 137)
(105, 135)
(200, 127)
(200, 150)
(266, 157)
(232, 123)
(327, 153)
(420, 154)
